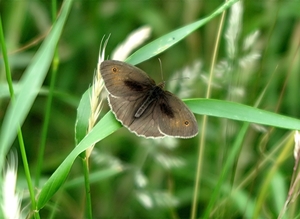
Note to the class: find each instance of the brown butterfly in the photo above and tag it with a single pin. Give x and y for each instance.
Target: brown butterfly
(145, 108)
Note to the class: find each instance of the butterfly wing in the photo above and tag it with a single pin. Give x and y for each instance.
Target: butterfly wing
(124, 109)
(124, 80)
(174, 118)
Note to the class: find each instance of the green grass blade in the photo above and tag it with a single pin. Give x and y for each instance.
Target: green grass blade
(103, 128)
(240, 112)
(163, 43)
(225, 171)
(95, 177)
(31, 82)
(83, 114)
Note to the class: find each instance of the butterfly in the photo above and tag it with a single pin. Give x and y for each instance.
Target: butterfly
(143, 107)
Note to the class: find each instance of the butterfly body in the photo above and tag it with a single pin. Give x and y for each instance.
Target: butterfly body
(144, 107)
(153, 95)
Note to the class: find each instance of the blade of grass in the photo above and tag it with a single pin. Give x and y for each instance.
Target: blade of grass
(45, 126)
(95, 177)
(265, 187)
(104, 127)
(83, 114)
(229, 162)
(205, 119)
(19, 131)
(163, 43)
(240, 112)
(287, 141)
(240, 199)
(19, 106)
(43, 91)
(31, 82)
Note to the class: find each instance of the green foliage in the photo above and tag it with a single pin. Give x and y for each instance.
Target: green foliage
(247, 163)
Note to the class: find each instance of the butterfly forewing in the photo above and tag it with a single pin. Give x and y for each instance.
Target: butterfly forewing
(122, 79)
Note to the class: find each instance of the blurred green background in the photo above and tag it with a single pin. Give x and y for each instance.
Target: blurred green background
(159, 176)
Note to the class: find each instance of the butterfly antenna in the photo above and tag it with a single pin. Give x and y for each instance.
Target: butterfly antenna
(161, 71)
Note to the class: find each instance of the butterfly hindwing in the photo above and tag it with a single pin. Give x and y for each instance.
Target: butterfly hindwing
(175, 118)
(125, 109)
